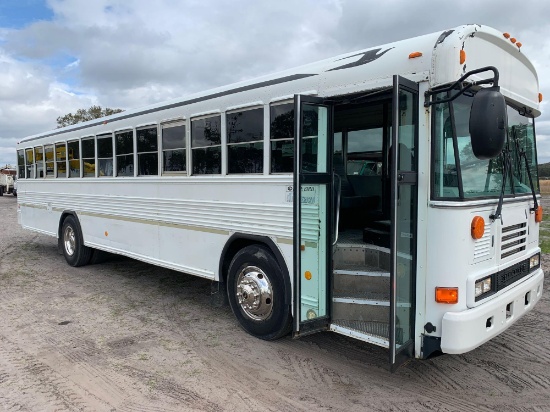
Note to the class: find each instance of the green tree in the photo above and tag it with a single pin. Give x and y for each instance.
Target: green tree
(83, 115)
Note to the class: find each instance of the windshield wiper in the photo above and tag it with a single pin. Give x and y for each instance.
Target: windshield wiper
(523, 154)
(507, 166)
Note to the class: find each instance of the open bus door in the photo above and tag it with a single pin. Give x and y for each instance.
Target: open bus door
(403, 165)
(312, 211)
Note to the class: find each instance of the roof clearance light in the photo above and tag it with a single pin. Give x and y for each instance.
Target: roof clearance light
(446, 295)
(462, 56)
(477, 227)
(506, 35)
(513, 39)
(538, 214)
(540, 97)
(414, 55)
(519, 45)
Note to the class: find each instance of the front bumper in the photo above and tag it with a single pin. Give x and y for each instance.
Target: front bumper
(466, 330)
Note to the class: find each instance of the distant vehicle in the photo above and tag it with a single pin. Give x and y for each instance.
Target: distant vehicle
(7, 180)
(14, 192)
(367, 194)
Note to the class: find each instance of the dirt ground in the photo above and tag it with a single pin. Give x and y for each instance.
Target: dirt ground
(126, 336)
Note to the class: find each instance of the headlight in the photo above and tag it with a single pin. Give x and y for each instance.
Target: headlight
(534, 262)
(483, 286)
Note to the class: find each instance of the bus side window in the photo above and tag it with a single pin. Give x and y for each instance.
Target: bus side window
(282, 138)
(61, 159)
(245, 147)
(105, 155)
(173, 148)
(206, 145)
(125, 153)
(147, 151)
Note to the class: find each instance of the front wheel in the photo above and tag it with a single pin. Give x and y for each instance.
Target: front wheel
(76, 254)
(256, 292)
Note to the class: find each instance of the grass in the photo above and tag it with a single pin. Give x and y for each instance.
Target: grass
(544, 235)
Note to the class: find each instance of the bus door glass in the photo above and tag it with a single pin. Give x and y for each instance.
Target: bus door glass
(312, 199)
(403, 166)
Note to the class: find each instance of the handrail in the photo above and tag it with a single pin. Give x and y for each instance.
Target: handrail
(339, 193)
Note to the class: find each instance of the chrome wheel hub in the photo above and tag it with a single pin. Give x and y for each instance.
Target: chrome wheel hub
(69, 240)
(254, 293)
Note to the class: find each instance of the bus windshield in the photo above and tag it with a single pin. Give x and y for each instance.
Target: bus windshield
(458, 174)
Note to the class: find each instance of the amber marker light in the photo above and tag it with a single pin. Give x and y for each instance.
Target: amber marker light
(513, 39)
(414, 55)
(519, 45)
(540, 97)
(446, 295)
(462, 56)
(477, 227)
(307, 275)
(538, 214)
(506, 35)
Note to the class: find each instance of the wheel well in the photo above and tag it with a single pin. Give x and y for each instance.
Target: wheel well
(239, 241)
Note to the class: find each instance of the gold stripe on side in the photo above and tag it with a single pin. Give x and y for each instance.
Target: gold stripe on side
(157, 223)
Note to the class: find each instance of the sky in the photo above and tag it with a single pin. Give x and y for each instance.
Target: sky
(57, 56)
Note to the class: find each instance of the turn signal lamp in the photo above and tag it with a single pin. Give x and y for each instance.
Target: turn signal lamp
(446, 295)
(414, 55)
(462, 56)
(477, 227)
(538, 214)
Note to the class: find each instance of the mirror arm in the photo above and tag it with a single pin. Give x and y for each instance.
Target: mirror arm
(462, 89)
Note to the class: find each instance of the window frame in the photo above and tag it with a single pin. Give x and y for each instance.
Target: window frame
(167, 125)
(36, 169)
(132, 153)
(56, 144)
(69, 160)
(271, 139)
(105, 136)
(219, 145)
(82, 158)
(155, 127)
(260, 141)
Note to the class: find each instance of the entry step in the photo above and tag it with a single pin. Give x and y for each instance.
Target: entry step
(377, 333)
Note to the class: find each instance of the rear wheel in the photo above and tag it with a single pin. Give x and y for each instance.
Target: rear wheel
(256, 293)
(76, 254)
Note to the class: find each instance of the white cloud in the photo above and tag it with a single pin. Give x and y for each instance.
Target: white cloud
(128, 53)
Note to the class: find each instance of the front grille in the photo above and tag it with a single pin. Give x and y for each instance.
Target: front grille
(511, 275)
(513, 240)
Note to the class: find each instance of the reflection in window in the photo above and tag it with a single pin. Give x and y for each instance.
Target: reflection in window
(147, 151)
(48, 152)
(245, 132)
(521, 135)
(61, 159)
(20, 164)
(105, 155)
(73, 149)
(29, 163)
(206, 145)
(282, 138)
(173, 147)
(39, 161)
(88, 157)
(124, 142)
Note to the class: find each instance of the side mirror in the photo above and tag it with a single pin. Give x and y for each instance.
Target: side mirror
(488, 120)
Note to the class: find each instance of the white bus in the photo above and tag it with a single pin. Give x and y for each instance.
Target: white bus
(287, 191)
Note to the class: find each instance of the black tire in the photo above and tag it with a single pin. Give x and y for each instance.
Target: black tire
(265, 315)
(76, 254)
